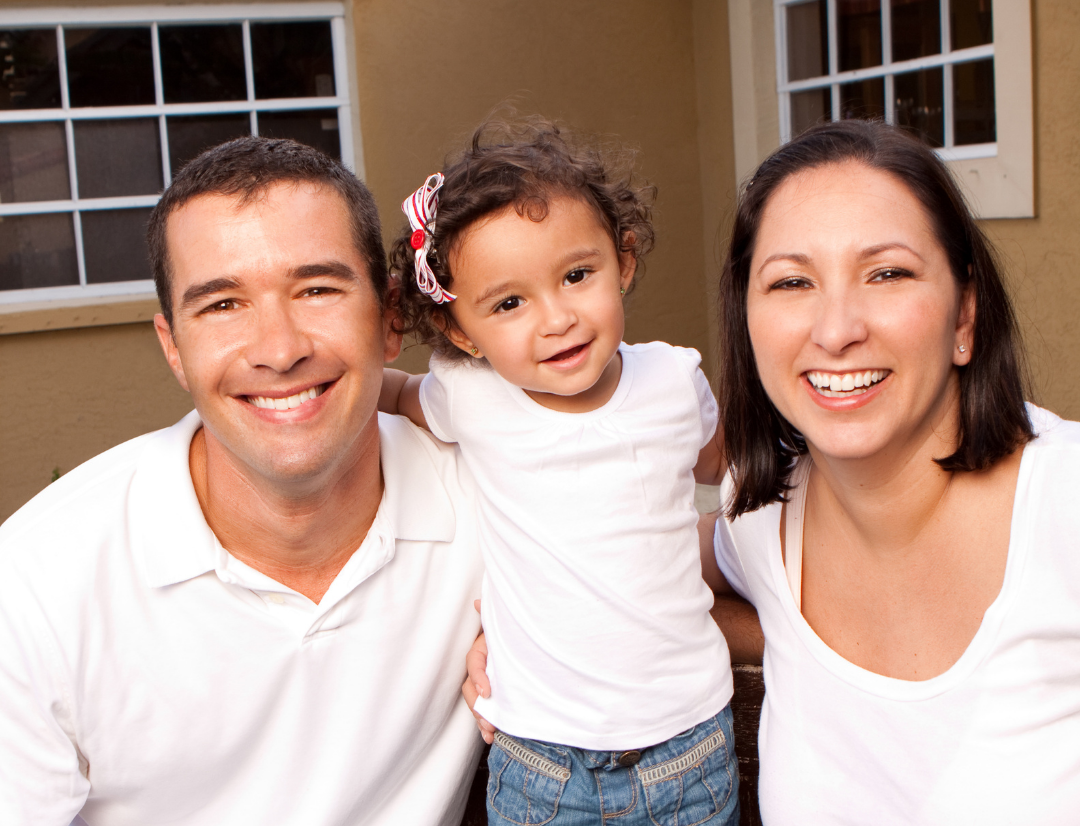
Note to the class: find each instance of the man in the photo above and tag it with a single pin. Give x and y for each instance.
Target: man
(261, 614)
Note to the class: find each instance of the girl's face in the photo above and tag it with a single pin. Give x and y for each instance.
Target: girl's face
(541, 302)
(854, 315)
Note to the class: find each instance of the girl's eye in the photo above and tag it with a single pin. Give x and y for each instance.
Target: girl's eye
(508, 304)
(576, 276)
(891, 274)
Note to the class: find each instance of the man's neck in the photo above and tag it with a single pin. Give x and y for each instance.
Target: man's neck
(299, 535)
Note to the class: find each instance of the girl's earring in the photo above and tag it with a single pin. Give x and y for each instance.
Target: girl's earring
(473, 350)
(622, 291)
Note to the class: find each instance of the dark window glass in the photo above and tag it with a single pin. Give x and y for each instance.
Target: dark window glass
(188, 136)
(118, 157)
(292, 60)
(33, 162)
(109, 67)
(807, 40)
(858, 33)
(973, 102)
(919, 104)
(971, 23)
(200, 63)
(317, 128)
(809, 108)
(916, 28)
(863, 99)
(30, 76)
(114, 245)
(37, 251)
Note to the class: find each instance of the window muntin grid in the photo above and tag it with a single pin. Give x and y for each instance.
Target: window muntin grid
(73, 180)
(821, 74)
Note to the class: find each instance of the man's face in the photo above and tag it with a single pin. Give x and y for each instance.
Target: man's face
(277, 332)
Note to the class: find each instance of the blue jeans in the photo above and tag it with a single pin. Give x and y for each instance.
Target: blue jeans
(690, 780)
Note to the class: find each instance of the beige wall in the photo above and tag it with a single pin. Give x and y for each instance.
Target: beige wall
(654, 74)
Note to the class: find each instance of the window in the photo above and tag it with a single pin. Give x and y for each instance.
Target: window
(927, 65)
(99, 107)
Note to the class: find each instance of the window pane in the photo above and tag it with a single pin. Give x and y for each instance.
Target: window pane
(916, 28)
(971, 23)
(117, 157)
(919, 104)
(292, 60)
(317, 128)
(863, 99)
(109, 67)
(33, 162)
(807, 40)
(858, 27)
(114, 245)
(201, 63)
(189, 136)
(31, 75)
(37, 251)
(973, 102)
(809, 108)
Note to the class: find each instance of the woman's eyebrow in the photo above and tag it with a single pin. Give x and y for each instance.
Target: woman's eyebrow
(877, 249)
(796, 257)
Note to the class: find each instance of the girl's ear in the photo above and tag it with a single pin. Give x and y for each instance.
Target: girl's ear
(627, 261)
(456, 335)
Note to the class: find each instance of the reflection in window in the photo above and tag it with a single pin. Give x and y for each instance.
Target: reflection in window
(31, 75)
(33, 162)
(109, 67)
(292, 60)
(188, 136)
(118, 157)
(318, 129)
(115, 245)
(202, 63)
(37, 251)
(916, 29)
(920, 105)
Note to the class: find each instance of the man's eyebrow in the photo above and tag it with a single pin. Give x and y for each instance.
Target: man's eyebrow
(325, 269)
(197, 292)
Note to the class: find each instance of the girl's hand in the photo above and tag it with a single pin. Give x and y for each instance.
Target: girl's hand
(476, 684)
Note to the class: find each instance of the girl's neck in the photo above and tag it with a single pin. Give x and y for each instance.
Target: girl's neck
(592, 399)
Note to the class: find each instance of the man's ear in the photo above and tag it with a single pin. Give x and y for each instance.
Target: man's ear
(965, 326)
(392, 325)
(168, 346)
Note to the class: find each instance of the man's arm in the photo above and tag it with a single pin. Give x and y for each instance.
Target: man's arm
(737, 618)
(401, 395)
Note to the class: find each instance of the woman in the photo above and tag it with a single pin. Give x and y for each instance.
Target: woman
(919, 589)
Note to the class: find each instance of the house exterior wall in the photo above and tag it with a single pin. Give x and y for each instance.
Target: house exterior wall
(625, 68)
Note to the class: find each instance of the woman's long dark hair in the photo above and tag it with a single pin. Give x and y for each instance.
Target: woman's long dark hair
(760, 444)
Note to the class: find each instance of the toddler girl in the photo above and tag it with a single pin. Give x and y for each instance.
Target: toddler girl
(609, 680)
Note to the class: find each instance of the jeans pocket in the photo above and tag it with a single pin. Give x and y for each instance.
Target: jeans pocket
(693, 776)
(525, 782)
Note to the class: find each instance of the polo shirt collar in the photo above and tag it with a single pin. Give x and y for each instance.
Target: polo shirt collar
(173, 543)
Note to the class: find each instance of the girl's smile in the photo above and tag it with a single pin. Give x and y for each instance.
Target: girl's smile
(542, 302)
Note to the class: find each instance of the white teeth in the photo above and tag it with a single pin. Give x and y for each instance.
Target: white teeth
(289, 402)
(840, 384)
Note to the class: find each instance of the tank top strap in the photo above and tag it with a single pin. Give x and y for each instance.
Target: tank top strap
(794, 514)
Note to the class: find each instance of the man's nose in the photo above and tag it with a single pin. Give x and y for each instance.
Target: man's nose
(840, 321)
(278, 340)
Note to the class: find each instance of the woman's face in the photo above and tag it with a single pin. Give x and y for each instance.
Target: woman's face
(854, 315)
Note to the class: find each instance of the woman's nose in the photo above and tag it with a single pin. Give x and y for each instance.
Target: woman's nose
(278, 340)
(840, 321)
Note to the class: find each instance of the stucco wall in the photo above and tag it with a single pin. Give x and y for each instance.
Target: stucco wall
(618, 67)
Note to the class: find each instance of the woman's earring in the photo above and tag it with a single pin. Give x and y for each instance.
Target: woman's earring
(962, 348)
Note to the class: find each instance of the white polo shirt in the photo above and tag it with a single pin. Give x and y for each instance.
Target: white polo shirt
(147, 676)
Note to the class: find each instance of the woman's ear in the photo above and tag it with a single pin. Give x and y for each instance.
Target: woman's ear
(965, 326)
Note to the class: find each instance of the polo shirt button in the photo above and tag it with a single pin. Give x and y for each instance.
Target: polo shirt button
(629, 758)
(277, 599)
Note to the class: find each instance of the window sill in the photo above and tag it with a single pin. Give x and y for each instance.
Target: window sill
(86, 312)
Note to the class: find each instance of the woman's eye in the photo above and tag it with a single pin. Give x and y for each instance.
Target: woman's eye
(793, 282)
(508, 304)
(891, 274)
(576, 276)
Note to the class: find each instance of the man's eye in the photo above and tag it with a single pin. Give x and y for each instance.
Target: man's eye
(221, 306)
(576, 276)
(319, 291)
(508, 304)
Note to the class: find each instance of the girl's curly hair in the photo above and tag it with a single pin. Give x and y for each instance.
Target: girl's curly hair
(521, 163)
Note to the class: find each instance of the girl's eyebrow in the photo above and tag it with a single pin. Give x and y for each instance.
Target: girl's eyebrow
(491, 292)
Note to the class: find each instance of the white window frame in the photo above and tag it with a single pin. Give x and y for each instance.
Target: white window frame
(998, 179)
(152, 16)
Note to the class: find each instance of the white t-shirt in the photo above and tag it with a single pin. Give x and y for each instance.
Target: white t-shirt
(994, 741)
(596, 616)
(148, 676)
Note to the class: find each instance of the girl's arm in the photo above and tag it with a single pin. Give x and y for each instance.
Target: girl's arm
(401, 395)
(711, 466)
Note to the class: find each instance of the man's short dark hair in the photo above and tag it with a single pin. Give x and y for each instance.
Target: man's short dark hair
(245, 168)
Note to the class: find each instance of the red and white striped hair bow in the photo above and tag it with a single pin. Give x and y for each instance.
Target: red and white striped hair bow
(420, 209)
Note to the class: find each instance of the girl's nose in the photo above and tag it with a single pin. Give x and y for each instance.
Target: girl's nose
(559, 317)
